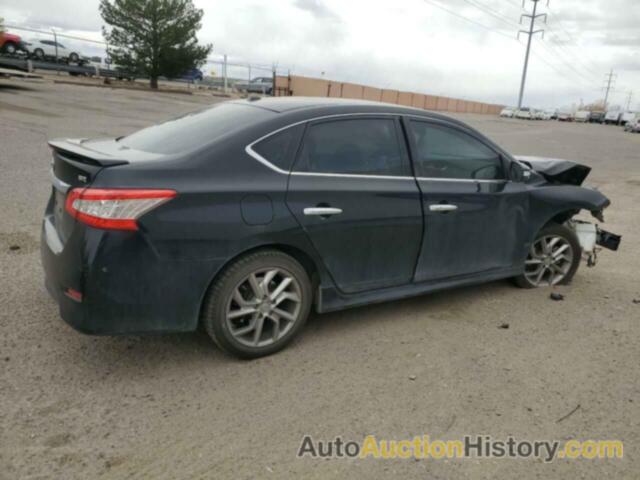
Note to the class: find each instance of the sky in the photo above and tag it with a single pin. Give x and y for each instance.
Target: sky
(459, 48)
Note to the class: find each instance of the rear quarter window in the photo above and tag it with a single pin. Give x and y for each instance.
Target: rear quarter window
(197, 129)
(280, 148)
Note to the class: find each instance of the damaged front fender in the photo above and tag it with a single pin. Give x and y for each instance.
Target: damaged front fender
(561, 202)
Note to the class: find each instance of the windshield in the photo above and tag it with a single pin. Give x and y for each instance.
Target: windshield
(196, 129)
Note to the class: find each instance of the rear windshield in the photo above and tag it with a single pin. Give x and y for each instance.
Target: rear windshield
(196, 129)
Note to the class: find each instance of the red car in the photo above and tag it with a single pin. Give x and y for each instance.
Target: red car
(10, 43)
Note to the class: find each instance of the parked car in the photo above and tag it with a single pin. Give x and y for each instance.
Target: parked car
(46, 50)
(627, 117)
(262, 85)
(524, 113)
(543, 115)
(582, 116)
(613, 117)
(11, 44)
(243, 216)
(565, 116)
(507, 112)
(193, 75)
(596, 117)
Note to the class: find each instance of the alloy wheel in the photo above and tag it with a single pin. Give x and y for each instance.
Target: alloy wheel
(264, 307)
(549, 261)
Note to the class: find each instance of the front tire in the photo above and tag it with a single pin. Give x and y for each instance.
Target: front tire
(553, 259)
(258, 304)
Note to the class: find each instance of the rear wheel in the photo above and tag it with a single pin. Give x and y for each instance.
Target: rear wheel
(38, 53)
(9, 48)
(74, 57)
(258, 305)
(553, 259)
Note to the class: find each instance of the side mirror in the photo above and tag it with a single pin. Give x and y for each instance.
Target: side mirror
(518, 173)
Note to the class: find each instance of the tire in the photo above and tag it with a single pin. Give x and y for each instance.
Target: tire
(556, 269)
(74, 57)
(233, 291)
(38, 53)
(9, 48)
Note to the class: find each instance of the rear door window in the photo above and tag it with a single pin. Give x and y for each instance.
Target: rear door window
(445, 152)
(364, 146)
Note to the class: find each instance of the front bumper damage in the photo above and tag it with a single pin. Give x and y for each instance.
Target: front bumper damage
(592, 239)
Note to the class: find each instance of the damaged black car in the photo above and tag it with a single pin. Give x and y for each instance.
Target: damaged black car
(244, 216)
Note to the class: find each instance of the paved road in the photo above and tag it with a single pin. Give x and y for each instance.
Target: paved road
(74, 406)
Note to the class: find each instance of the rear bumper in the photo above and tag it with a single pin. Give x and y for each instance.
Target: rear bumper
(126, 286)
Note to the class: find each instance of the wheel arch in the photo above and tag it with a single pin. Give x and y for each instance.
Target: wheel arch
(305, 259)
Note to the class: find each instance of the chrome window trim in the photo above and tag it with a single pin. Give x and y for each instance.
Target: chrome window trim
(255, 155)
(467, 180)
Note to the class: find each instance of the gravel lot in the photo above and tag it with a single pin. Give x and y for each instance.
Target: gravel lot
(74, 406)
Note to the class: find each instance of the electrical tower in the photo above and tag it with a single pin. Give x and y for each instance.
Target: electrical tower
(530, 33)
(610, 78)
(629, 100)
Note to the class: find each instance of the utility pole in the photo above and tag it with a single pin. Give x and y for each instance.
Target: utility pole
(610, 77)
(224, 72)
(530, 33)
(629, 100)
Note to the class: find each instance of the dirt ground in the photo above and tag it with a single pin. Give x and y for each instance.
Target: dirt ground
(164, 407)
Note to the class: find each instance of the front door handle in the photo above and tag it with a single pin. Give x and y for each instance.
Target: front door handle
(443, 208)
(322, 211)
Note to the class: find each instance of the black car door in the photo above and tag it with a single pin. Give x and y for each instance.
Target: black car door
(475, 218)
(352, 191)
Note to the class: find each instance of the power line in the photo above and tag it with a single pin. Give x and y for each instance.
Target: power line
(498, 32)
(491, 12)
(466, 19)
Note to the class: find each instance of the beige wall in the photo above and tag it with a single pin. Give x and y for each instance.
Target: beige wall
(316, 87)
(351, 90)
(390, 96)
(404, 98)
(418, 100)
(371, 93)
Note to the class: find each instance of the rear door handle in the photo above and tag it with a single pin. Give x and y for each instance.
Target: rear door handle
(442, 208)
(322, 211)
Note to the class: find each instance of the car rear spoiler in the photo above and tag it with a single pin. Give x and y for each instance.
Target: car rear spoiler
(77, 150)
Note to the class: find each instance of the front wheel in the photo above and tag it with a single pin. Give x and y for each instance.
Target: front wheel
(258, 305)
(553, 259)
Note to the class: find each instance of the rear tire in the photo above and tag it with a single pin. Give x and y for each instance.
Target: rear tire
(553, 259)
(9, 48)
(38, 53)
(258, 304)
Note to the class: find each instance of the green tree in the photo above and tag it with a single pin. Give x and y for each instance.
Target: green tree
(154, 37)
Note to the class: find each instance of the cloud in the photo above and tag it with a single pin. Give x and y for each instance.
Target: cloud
(317, 8)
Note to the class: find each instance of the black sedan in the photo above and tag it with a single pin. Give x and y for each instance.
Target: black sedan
(243, 216)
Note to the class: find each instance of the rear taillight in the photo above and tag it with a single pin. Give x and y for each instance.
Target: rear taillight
(114, 209)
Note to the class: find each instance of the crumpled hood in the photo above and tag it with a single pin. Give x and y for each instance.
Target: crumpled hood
(556, 170)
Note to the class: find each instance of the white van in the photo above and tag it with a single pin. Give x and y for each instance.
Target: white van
(582, 116)
(613, 117)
